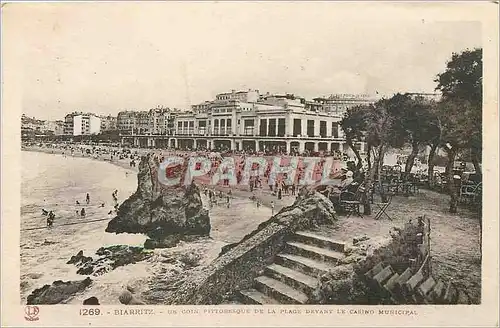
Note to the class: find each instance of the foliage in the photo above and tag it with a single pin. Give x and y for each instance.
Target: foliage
(414, 120)
(461, 107)
(463, 78)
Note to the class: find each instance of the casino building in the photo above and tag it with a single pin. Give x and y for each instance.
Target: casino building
(248, 120)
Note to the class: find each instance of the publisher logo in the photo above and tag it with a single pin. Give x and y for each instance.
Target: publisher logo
(31, 313)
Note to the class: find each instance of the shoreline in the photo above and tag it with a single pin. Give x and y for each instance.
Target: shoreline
(265, 196)
(56, 151)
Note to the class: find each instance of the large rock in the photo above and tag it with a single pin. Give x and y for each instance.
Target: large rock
(159, 211)
(58, 292)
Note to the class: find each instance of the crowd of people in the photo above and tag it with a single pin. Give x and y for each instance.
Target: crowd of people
(279, 185)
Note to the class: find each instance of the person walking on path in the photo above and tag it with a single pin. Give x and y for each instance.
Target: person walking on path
(87, 198)
(272, 207)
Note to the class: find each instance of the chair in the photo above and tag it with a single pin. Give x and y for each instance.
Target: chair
(467, 193)
(350, 202)
(382, 206)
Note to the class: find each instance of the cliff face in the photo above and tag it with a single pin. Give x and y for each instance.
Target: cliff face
(159, 211)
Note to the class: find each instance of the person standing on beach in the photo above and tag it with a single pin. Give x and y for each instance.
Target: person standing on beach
(88, 198)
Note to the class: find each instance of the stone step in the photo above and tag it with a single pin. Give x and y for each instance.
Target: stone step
(303, 264)
(252, 296)
(374, 271)
(413, 282)
(314, 252)
(311, 238)
(451, 294)
(383, 276)
(438, 291)
(279, 291)
(295, 279)
(426, 288)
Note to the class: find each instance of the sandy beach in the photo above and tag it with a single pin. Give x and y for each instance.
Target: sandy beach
(57, 181)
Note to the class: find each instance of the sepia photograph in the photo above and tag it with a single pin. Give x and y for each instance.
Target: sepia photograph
(255, 153)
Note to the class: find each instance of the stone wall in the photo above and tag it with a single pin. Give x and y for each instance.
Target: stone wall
(351, 281)
(236, 268)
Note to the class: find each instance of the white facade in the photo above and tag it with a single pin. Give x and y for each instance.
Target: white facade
(86, 124)
(94, 124)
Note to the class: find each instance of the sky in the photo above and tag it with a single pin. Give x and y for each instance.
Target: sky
(108, 57)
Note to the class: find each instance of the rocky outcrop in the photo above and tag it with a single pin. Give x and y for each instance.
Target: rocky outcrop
(240, 263)
(159, 211)
(58, 292)
(109, 258)
(79, 259)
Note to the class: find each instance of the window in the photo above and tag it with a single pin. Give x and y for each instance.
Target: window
(335, 130)
(297, 127)
(281, 127)
(263, 127)
(272, 127)
(322, 129)
(310, 128)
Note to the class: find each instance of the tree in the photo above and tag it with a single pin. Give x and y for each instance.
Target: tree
(371, 124)
(414, 123)
(462, 83)
(354, 126)
(460, 111)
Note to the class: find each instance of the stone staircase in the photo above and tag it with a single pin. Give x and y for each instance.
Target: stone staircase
(293, 276)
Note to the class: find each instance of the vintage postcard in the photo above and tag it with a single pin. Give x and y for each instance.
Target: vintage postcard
(294, 164)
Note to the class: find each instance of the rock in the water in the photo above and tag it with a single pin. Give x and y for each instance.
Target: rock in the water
(166, 242)
(79, 259)
(57, 292)
(110, 258)
(159, 211)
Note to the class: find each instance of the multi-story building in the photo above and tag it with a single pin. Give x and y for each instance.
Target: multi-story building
(338, 104)
(54, 127)
(31, 123)
(125, 122)
(78, 123)
(246, 120)
(108, 123)
(157, 121)
(31, 126)
(69, 123)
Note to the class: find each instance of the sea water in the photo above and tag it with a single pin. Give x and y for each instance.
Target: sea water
(55, 183)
